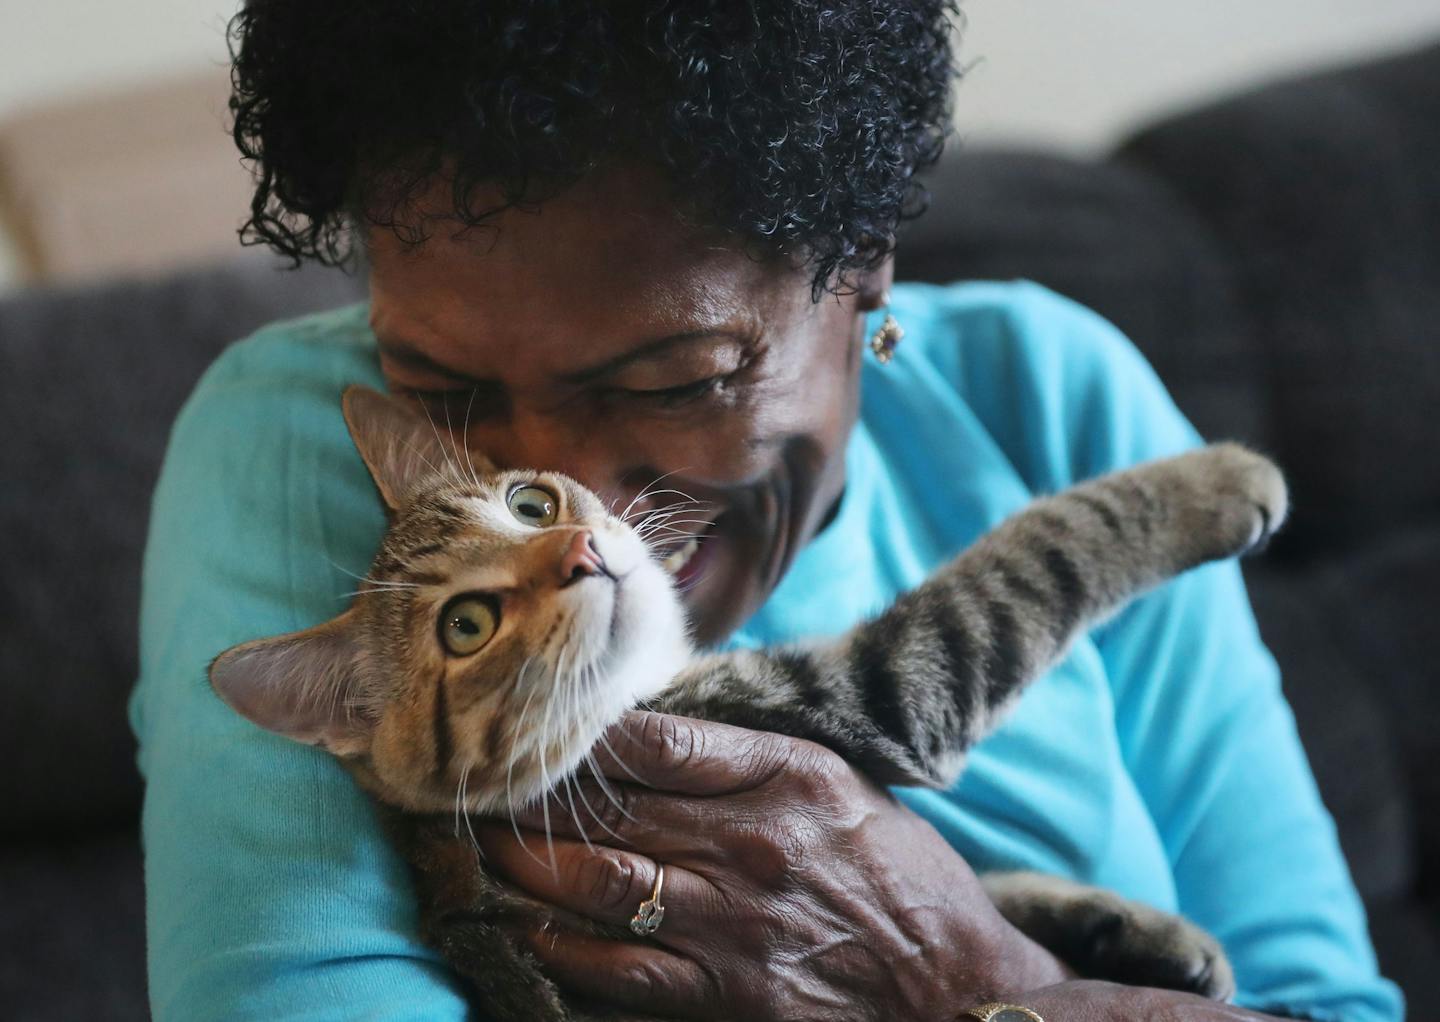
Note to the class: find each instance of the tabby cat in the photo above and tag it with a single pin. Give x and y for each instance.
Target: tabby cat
(503, 599)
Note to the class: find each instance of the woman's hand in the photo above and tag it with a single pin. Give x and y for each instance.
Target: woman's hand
(794, 888)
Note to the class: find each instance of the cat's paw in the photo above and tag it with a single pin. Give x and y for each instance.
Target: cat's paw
(1104, 936)
(1141, 946)
(1244, 492)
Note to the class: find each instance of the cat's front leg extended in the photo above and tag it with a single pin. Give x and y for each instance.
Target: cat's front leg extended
(904, 696)
(786, 692)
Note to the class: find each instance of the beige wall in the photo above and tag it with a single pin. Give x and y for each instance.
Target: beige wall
(1077, 73)
(1066, 73)
(56, 48)
(1070, 71)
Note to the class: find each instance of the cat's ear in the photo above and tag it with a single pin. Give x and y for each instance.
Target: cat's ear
(299, 685)
(400, 445)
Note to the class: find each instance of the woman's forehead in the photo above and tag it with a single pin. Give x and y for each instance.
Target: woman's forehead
(601, 268)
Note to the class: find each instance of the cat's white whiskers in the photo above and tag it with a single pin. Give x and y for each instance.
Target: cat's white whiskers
(510, 772)
(514, 740)
(417, 452)
(347, 571)
(674, 526)
(660, 528)
(377, 589)
(694, 582)
(677, 506)
(672, 529)
(545, 786)
(451, 457)
(665, 545)
(644, 491)
(647, 491)
(462, 806)
(374, 581)
(465, 798)
(686, 502)
(595, 771)
(609, 796)
(590, 676)
(661, 516)
(459, 794)
(625, 730)
(671, 518)
(667, 535)
(461, 449)
(623, 766)
(575, 814)
(579, 681)
(464, 436)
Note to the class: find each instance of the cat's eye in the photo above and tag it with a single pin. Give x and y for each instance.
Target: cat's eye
(468, 622)
(533, 505)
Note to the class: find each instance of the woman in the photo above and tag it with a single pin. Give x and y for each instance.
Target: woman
(634, 242)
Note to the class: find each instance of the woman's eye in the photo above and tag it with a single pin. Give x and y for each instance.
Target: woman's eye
(532, 505)
(467, 623)
(674, 397)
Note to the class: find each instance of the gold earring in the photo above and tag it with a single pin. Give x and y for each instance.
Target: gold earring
(885, 339)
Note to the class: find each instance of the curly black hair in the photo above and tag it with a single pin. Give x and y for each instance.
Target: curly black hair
(797, 125)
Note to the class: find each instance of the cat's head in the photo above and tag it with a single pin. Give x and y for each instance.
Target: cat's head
(507, 619)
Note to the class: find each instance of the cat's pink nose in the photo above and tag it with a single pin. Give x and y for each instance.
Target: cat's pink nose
(581, 559)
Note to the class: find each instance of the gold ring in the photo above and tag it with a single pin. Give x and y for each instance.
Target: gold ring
(998, 1012)
(648, 916)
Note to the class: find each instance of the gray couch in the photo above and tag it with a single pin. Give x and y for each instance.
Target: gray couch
(1277, 256)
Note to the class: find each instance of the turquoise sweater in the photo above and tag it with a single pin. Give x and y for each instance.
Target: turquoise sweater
(1159, 760)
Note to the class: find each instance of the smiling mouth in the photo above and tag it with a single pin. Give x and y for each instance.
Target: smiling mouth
(680, 557)
(692, 559)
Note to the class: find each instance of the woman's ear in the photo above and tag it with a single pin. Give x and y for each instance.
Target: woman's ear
(300, 685)
(872, 287)
(400, 446)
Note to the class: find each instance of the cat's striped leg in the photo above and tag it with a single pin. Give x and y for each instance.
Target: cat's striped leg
(905, 696)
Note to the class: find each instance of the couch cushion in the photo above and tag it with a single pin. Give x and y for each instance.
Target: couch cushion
(1326, 195)
(1382, 606)
(1345, 727)
(1407, 942)
(73, 930)
(1114, 239)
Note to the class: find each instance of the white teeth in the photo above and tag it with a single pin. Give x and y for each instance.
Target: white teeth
(681, 557)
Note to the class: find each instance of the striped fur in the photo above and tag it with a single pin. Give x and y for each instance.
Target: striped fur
(903, 696)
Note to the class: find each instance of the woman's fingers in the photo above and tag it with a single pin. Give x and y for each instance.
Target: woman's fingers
(625, 814)
(661, 777)
(637, 976)
(602, 883)
(691, 757)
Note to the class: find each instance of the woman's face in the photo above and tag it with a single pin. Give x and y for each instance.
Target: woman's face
(602, 338)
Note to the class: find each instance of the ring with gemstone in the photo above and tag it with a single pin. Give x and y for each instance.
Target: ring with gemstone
(997, 1012)
(649, 915)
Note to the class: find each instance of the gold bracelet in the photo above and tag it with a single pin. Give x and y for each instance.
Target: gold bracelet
(997, 1012)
